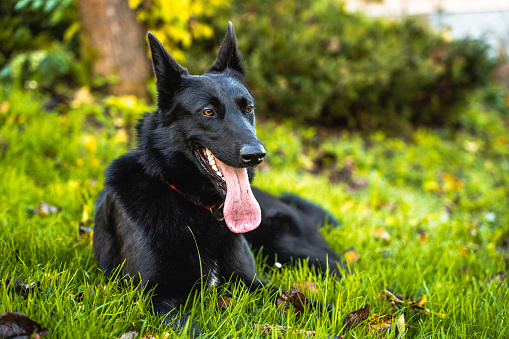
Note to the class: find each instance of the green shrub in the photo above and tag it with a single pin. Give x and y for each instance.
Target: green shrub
(38, 43)
(313, 61)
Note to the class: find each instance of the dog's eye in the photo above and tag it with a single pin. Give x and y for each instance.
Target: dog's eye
(249, 109)
(208, 112)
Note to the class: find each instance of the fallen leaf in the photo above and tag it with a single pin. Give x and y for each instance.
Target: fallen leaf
(85, 232)
(381, 233)
(355, 318)
(351, 256)
(400, 325)
(20, 287)
(464, 251)
(149, 335)
(423, 237)
(293, 299)
(498, 277)
(79, 297)
(381, 323)
(357, 184)
(223, 302)
(282, 330)
(18, 325)
(305, 286)
(452, 183)
(416, 306)
(45, 209)
(4, 106)
(129, 335)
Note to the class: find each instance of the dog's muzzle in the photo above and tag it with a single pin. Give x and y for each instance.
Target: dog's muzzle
(252, 155)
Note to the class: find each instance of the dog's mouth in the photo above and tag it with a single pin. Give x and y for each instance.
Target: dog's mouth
(209, 164)
(241, 210)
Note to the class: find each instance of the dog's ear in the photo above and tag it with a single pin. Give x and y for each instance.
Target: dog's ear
(228, 55)
(168, 72)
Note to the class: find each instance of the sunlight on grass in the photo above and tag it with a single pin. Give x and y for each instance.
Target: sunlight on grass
(440, 200)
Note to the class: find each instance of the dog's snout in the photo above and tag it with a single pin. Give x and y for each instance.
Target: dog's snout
(252, 155)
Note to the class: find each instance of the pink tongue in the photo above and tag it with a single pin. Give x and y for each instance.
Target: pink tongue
(241, 210)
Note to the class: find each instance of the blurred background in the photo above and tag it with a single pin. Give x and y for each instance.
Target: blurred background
(393, 115)
(356, 64)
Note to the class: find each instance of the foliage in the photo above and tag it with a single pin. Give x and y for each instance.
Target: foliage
(308, 60)
(313, 61)
(177, 23)
(442, 198)
(39, 44)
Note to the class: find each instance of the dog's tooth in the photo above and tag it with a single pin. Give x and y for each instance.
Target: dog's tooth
(215, 168)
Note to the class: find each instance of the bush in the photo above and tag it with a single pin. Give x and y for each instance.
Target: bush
(38, 43)
(313, 61)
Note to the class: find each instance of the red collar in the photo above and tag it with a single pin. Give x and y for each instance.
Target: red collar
(193, 200)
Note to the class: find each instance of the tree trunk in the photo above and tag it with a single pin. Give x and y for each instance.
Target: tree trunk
(115, 42)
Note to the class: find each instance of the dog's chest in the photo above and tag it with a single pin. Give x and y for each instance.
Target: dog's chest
(213, 279)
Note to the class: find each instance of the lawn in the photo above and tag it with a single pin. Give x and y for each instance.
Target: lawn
(425, 215)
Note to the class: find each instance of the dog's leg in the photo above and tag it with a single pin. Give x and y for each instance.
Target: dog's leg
(168, 309)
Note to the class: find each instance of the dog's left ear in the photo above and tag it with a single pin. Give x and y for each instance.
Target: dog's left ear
(228, 55)
(168, 72)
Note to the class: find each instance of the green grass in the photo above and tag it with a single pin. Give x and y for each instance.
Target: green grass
(452, 186)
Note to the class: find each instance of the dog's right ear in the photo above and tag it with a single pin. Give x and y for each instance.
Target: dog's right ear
(228, 55)
(168, 72)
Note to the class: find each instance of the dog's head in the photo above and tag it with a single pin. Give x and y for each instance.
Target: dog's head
(209, 120)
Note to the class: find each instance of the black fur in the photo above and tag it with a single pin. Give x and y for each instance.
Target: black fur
(289, 232)
(156, 231)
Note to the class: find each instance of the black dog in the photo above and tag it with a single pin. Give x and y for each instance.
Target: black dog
(184, 193)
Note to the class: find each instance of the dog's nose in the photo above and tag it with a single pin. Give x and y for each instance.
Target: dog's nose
(252, 155)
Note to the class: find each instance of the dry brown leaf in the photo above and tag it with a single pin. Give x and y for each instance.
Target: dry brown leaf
(305, 286)
(86, 232)
(355, 318)
(223, 302)
(381, 323)
(79, 297)
(414, 305)
(129, 335)
(351, 256)
(282, 330)
(423, 237)
(293, 299)
(381, 233)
